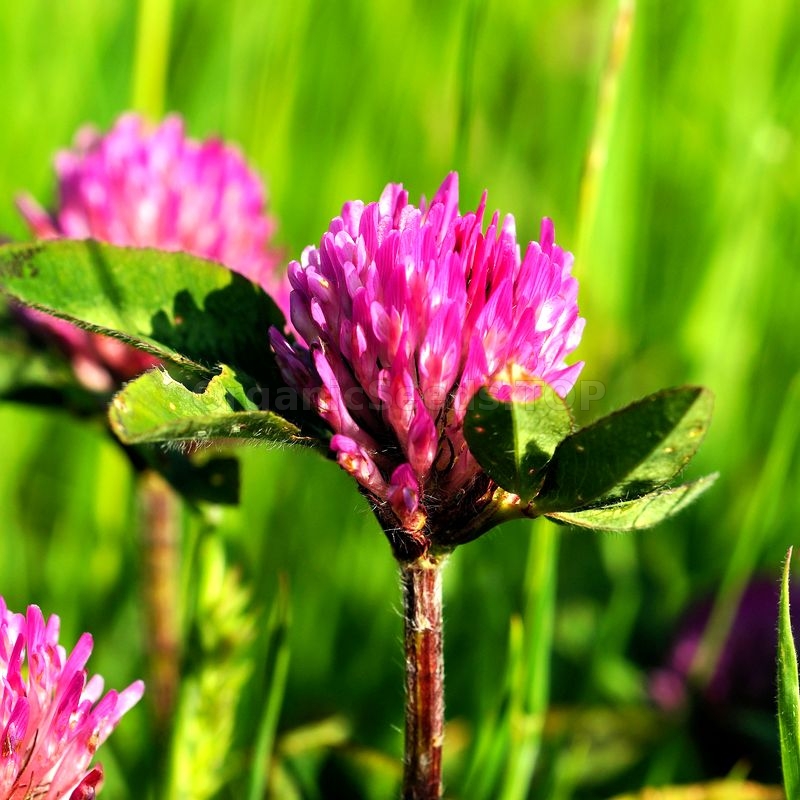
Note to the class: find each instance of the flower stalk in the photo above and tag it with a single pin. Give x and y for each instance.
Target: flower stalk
(424, 665)
(160, 539)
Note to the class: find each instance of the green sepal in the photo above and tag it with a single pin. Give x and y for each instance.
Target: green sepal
(639, 513)
(181, 308)
(513, 441)
(156, 407)
(629, 453)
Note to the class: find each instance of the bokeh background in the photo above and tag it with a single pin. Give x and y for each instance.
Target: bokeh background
(663, 141)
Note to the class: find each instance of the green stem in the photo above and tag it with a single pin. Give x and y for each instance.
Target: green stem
(422, 607)
(531, 683)
(597, 154)
(153, 30)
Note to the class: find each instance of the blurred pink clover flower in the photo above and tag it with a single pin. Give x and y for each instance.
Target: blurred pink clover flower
(152, 186)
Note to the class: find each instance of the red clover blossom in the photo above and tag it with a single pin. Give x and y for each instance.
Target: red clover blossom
(407, 311)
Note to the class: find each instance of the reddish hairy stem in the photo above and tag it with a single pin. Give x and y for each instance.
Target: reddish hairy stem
(160, 532)
(422, 606)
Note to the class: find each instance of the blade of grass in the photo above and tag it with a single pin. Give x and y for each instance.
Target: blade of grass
(621, 561)
(608, 93)
(493, 731)
(605, 179)
(151, 60)
(466, 74)
(509, 741)
(530, 693)
(788, 692)
(277, 671)
(218, 664)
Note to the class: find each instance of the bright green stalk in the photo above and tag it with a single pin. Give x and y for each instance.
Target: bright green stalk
(219, 664)
(276, 674)
(466, 74)
(529, 694)
(597, 154)
(151, 60)
(493, 733)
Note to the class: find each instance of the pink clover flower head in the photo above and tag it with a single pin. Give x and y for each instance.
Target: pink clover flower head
(152, 186)
(407, 312)
(52, 718)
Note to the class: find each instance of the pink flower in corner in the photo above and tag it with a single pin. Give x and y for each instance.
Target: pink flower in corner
(52, 719)
(407, 312)
(145, 186)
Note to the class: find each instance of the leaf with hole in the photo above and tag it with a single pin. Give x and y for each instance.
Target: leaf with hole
(157, 408)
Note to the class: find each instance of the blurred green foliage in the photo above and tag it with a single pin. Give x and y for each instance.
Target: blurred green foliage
(686, 239)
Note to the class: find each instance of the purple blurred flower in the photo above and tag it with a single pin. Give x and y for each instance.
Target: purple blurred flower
(744, 674)
(52, 720)
(146, 186)
(731, 714)
(407, 312)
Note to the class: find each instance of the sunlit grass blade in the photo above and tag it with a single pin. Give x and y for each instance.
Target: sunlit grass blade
(492, 732)
(218, 666)
(597, 152)
(277, 671)
(530, 695)
(509, 740)
(153, 29)
(788, 693)
(471, 26)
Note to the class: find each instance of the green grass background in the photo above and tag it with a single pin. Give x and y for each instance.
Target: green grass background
(684, 223)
